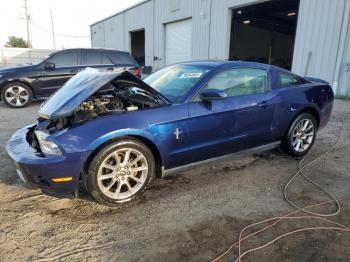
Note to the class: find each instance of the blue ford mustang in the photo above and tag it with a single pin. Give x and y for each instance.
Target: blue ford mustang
(116, 132)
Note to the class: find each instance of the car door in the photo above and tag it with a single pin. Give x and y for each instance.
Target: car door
(240, 121)
(65, 66)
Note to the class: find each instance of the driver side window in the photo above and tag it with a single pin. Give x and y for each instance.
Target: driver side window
(240, 81)
(65, 59)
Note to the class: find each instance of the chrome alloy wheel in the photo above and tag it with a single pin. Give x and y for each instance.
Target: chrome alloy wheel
(122, 174)
(16, 96)
(303, 135)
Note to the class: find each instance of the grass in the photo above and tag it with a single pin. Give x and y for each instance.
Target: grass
(343, 97)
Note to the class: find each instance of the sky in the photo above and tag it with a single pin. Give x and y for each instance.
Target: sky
(71, 18)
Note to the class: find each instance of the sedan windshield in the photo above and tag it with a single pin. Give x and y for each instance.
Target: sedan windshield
(39, 60)
(174, 82)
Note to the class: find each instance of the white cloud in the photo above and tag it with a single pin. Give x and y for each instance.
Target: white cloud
(71, 17)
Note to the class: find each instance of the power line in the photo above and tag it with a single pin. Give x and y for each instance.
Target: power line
(53, 31)
(27, 21)
(59, 34)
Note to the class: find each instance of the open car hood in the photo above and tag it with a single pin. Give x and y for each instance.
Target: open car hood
(81, 87)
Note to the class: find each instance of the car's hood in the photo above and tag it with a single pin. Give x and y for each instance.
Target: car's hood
(81, 87)
(11, 68)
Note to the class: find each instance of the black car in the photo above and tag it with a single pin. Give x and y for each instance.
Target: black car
(21, 84)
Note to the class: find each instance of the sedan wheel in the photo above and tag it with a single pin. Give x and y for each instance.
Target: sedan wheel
(120, 172)
(16, 95)
(301, 135)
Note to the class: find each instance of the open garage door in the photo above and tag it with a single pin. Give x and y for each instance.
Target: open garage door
(178, 42)
(265, 32)
(137, 42)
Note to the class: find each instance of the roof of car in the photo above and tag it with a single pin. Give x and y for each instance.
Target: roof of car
(93, 48)
(224, 63)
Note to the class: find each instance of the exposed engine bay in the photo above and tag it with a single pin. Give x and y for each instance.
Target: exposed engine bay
(131, 99)
(120, 96)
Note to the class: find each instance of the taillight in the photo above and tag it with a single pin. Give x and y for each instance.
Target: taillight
(138, 72)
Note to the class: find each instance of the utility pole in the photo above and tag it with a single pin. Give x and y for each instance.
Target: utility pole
(27, 22)
(53, 31)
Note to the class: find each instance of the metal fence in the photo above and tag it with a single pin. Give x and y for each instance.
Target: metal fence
(15, 56)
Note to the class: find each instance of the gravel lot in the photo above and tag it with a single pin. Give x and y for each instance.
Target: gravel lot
(193, 216)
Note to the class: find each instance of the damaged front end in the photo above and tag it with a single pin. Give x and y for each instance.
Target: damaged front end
(92, 94)
(41, 158)
(89, 95)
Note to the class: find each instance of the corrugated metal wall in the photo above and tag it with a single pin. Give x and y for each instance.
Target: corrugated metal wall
(114, 32)
(97, 32)
(318, 36)
(166, 11)
(211, 27)
(138, 18)
(322, 45)
(341, 82)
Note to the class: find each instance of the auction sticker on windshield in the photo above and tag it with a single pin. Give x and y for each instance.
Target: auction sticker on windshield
(191, 75)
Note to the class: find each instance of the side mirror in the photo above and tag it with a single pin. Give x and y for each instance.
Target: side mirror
(212, 94)
(49, 66)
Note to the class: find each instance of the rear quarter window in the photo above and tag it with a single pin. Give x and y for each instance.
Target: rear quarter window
(95, 57)
(121, 58)
(291, 80)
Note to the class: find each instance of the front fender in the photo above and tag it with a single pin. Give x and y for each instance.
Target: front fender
(120, 133)
(25, 81)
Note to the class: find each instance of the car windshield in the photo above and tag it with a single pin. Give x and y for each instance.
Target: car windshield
(174, 82)
(39, 60)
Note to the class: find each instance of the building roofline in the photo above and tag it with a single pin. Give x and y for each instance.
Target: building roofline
(120, 12)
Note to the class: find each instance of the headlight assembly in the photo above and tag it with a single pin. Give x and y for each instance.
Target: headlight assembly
(47, 147)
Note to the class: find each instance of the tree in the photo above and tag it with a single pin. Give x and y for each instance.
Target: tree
(17, 42)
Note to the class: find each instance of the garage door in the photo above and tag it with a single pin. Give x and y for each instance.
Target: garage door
(178, 41)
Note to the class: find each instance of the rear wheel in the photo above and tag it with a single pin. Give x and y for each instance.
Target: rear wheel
(120, 172)
(301, 135)
(16, 95)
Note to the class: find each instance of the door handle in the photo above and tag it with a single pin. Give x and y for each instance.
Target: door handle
(263, 104)
(110, 69)
(74, 71)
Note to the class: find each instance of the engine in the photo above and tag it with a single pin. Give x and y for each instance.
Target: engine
(113, 102)
(119, 96)
(97, 106)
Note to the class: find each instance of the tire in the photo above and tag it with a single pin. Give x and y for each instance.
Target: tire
(301, 135)
(112, 181)
(16, 95)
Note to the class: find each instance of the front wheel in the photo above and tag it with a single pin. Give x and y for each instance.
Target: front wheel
(301, 135)
(16, 95)
(120, 172)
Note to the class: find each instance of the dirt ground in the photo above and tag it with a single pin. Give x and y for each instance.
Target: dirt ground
(193, 216)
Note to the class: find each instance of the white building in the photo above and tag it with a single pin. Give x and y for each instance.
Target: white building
(14, 56)
(310, 37)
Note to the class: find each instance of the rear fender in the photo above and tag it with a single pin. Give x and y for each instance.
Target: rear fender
(316, 80)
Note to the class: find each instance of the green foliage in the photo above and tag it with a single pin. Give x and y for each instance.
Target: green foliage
(342, 97)
(17, 42)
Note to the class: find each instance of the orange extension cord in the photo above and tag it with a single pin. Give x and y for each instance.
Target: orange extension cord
(317, 216)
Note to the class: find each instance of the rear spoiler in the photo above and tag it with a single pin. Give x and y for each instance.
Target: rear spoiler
(316, 80)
